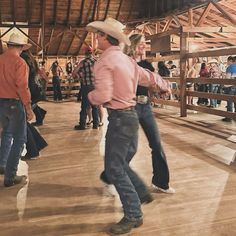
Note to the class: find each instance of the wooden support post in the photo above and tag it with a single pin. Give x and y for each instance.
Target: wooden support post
(43, 28)
(183, 62)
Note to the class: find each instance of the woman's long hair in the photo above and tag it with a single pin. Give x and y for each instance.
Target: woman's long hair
(131, 50)
(162, 69)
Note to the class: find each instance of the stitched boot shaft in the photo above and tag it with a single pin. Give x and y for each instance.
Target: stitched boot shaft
(125, 225)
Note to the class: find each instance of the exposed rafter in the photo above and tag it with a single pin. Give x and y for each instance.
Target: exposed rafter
(94, 10)
(81, 43)
(47, 46)
(62, 37)
(107, 9)
(28, 11)
(204, 15)
(68, 13)
(118, 11)
(13, 11)
(81, 12)
(55, 13)
(0, 12)
(225, 13)
(36, 44)
(131, 9)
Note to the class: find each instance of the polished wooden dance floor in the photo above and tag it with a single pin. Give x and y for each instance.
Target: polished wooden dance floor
(64, 195)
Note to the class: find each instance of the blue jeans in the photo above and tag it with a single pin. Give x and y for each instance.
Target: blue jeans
(13, 122)
(120, 147)
(213, 88)
(160, 167)
(85, 104)
(231, 91)
(56, 88)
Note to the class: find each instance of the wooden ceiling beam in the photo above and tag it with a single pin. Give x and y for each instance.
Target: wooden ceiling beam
(228, 5)
(81, 43)
(53, 39)
(131, 9)
(227, 15)
(94, 10)
(55, 13)
(1, 48)
(167, 24)
(0, 11)
(28, 10)
(39, 38)
(68, 12)
(49, 42)
(190, 17)
(213, 53)
(71, 42)
(13, 11)
(43, 7)
(176, 20)
(31, 40)
(119, 8)
(59, 46)
(209, 29)
(81, 12)
(204, 14)
(107, 9)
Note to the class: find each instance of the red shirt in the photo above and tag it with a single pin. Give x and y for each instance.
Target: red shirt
(14, 74)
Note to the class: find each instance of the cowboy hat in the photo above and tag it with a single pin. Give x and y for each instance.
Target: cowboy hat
(16, 39)
(213, 61)
(111, 27)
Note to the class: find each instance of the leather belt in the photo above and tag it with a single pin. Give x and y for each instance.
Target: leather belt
(142, 99)
(110, 110)
(9, 99)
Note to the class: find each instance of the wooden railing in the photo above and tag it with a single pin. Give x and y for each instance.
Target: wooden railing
(223, 97)
(67, 88)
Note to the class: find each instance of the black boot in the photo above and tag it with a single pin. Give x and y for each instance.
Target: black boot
(125, 225)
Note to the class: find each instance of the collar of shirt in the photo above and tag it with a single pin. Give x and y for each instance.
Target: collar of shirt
(12, 51)
(108, 50)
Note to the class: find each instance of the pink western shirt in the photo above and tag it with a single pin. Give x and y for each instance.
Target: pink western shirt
(116, 80)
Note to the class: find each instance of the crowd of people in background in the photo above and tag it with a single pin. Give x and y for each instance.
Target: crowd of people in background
(120, 81)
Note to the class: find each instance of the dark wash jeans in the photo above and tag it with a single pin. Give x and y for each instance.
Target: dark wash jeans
(159, 163)
(57, 95)
(13, 122)
(85, 104)
(231, 91)
(120, 147)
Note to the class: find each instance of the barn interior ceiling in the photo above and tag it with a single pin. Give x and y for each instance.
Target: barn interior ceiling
(57, 27)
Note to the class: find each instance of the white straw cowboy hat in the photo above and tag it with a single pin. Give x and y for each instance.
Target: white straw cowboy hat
(111, 27)
(213, 61)
(16, 39)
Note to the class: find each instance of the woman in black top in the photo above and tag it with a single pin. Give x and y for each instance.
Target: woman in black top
(160, 179)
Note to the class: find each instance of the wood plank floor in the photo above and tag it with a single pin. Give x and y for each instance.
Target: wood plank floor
(64, 195)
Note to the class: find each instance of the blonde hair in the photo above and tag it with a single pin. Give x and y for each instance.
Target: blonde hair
(135, 40)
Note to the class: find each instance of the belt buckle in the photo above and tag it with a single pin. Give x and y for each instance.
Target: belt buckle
(141, 99)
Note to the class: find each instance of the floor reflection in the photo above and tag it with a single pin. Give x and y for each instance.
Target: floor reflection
(21, 196)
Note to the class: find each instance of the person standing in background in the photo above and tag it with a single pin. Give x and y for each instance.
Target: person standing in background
(43, 80)
(85, 73)
(230, 89)
(56, 71)
(15, 108)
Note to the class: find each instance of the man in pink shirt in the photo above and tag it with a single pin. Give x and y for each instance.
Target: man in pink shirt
(15, 100)
(116, 80)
